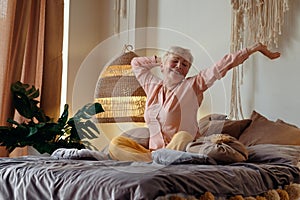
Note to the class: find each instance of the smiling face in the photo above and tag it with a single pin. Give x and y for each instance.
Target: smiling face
(175, 64)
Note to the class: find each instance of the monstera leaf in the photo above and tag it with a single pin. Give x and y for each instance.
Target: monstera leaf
(40, 131)
(82, 120)
(25, 103)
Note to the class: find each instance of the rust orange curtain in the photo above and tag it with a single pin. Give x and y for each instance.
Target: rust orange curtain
(31, 51)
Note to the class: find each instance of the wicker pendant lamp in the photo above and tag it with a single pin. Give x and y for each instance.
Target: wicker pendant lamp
(119, 92)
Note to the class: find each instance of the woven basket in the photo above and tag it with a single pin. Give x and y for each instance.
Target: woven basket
(122, 97)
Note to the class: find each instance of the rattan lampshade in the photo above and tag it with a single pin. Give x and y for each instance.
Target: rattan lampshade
(122, 97)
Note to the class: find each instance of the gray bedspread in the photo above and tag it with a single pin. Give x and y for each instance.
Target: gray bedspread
(51, 178)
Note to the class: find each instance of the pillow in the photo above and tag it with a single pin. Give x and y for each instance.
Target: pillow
(265, 131)
(211, 117)
(216, 124)
(274, 153)
(221, 147)
(139, 135)
(283, 122)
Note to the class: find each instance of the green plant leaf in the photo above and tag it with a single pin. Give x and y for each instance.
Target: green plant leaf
(25, 103)
(32, 93)
(64, 116)
(88, 110)
(86, 130)
(32, 130)
(89, 145)
(40, 131)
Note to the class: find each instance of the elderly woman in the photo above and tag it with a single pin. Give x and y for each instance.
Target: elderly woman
(172, 102)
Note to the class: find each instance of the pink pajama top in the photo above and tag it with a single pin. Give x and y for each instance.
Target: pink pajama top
(166, 115)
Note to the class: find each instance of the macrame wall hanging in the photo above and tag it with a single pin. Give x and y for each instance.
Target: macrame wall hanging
(253, 21)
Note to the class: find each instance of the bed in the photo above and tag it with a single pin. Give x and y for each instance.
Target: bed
(270, 171)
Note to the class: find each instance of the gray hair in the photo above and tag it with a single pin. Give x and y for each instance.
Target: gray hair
(179, 51)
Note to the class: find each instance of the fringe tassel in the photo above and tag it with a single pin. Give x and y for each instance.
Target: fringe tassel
(289, 192)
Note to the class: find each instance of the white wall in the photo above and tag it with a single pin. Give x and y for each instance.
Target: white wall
(270, 87)
(277, 91)
(92, 45)
(86, 31)
(202, 26)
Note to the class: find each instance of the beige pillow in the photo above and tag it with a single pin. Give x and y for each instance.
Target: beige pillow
(221, 147)
(217, 124)
(265, 131)
(140, 135)
(211, 117)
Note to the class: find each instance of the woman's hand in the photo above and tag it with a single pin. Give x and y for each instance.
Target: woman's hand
(264, 50)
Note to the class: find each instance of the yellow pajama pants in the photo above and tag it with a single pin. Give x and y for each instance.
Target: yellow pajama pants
(126, 149)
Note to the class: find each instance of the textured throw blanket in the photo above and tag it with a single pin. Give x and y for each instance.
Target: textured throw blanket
(79, 154)
(64, 176)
